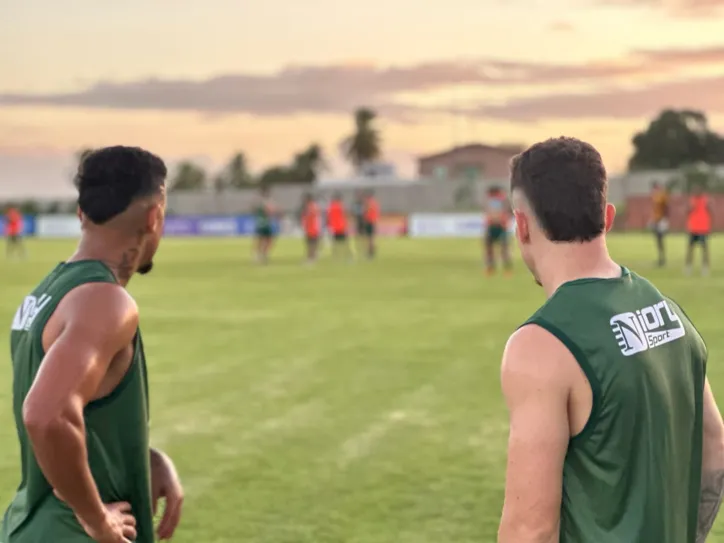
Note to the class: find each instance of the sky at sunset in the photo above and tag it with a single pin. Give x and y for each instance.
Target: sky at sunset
(202, 79)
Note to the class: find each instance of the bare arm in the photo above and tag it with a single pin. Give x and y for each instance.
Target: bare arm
(165, 484)
(537, 399)
(98, 321)
(712, 477)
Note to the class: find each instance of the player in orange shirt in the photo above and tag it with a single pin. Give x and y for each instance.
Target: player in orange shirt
(698, 224)
(337, 226)
(312, 226)
(371, 218)
(14, 232)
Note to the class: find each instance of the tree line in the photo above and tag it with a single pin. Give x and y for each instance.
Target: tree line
(360, 148)
(680, 140)
(675, 140)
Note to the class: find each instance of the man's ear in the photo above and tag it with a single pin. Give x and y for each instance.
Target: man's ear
(154, 218)
(522, 227)
(610, 216)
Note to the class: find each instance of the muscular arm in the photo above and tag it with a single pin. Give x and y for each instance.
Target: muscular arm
(712, 478)
(97, 322)
(534, 385)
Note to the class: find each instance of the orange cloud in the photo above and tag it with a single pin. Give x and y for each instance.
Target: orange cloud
(561, 26)
(688, 8)
(705, 94)
(341, 88)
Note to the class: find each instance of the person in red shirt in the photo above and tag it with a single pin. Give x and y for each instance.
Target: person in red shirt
(698, 224)
(338, 227)
(371, 218)
(312, 226)
(14, 233)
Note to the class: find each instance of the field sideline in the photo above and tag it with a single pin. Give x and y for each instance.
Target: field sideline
(340, 403)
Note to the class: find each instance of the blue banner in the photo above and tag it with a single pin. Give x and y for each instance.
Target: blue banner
(211, 226)
(28, 225)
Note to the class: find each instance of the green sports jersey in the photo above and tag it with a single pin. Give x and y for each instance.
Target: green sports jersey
(116, 426)
(633, 474)
(262, 216)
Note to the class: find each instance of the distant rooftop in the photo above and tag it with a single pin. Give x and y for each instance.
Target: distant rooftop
(503, 148)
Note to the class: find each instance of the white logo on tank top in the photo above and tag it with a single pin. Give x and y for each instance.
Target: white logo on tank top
(28, 310)
(646, 328)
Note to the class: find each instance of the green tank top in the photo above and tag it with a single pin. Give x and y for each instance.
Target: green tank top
(633, 474)
(116, 426)
(263, 219)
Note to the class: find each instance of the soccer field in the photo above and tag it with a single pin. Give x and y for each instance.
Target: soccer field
(339, 403)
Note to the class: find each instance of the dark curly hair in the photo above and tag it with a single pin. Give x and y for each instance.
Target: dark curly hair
(564, 180)
(110, 179)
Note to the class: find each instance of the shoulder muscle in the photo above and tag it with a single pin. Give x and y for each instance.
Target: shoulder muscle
(96, 321)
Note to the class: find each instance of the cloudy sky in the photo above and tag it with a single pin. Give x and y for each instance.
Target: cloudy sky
(203, 78)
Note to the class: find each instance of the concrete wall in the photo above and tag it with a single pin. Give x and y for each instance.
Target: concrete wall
(395, 195)
(638, 212)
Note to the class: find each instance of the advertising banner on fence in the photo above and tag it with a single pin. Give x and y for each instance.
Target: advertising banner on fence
(68, 226)
(57, 226)
(392, 226)
(209, 226)
(448, 225)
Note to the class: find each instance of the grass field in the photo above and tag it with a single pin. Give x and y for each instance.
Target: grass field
(341, 403)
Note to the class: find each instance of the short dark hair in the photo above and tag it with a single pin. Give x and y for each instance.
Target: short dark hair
(564, 180)
(110, 179)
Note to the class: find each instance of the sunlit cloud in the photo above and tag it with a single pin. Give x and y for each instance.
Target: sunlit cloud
(705, 94)
(687, 8)
(341, 88)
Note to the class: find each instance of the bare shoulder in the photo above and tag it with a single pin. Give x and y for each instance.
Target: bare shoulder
(535, 357)
(100, 309)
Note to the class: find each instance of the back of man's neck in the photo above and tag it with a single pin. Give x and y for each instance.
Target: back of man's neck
(569, 263)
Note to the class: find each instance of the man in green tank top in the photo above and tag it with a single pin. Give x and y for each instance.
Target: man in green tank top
(264, 214)
(615, 436)
(80, 393)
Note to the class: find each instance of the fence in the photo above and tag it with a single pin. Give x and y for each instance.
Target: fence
(418, 225)
(396, 196)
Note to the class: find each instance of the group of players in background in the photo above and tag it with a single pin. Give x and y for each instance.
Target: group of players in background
(316, 220)
(699, 222)
(320, 223)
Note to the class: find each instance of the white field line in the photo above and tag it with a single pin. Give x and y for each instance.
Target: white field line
(294, 420)
(177, 421)
(410, 410)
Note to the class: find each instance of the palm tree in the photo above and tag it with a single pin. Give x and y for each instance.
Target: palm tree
(363, 146)
(308, 164)
(236, 174)
(275, 175)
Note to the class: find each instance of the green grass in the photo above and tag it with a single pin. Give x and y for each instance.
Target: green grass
(341, 403)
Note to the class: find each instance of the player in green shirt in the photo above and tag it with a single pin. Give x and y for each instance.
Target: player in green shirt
(80, 392)
(615, 436)
(264, 214)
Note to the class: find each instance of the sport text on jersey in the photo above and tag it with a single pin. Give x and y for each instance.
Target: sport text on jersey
(646, 328)
(28, 310)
